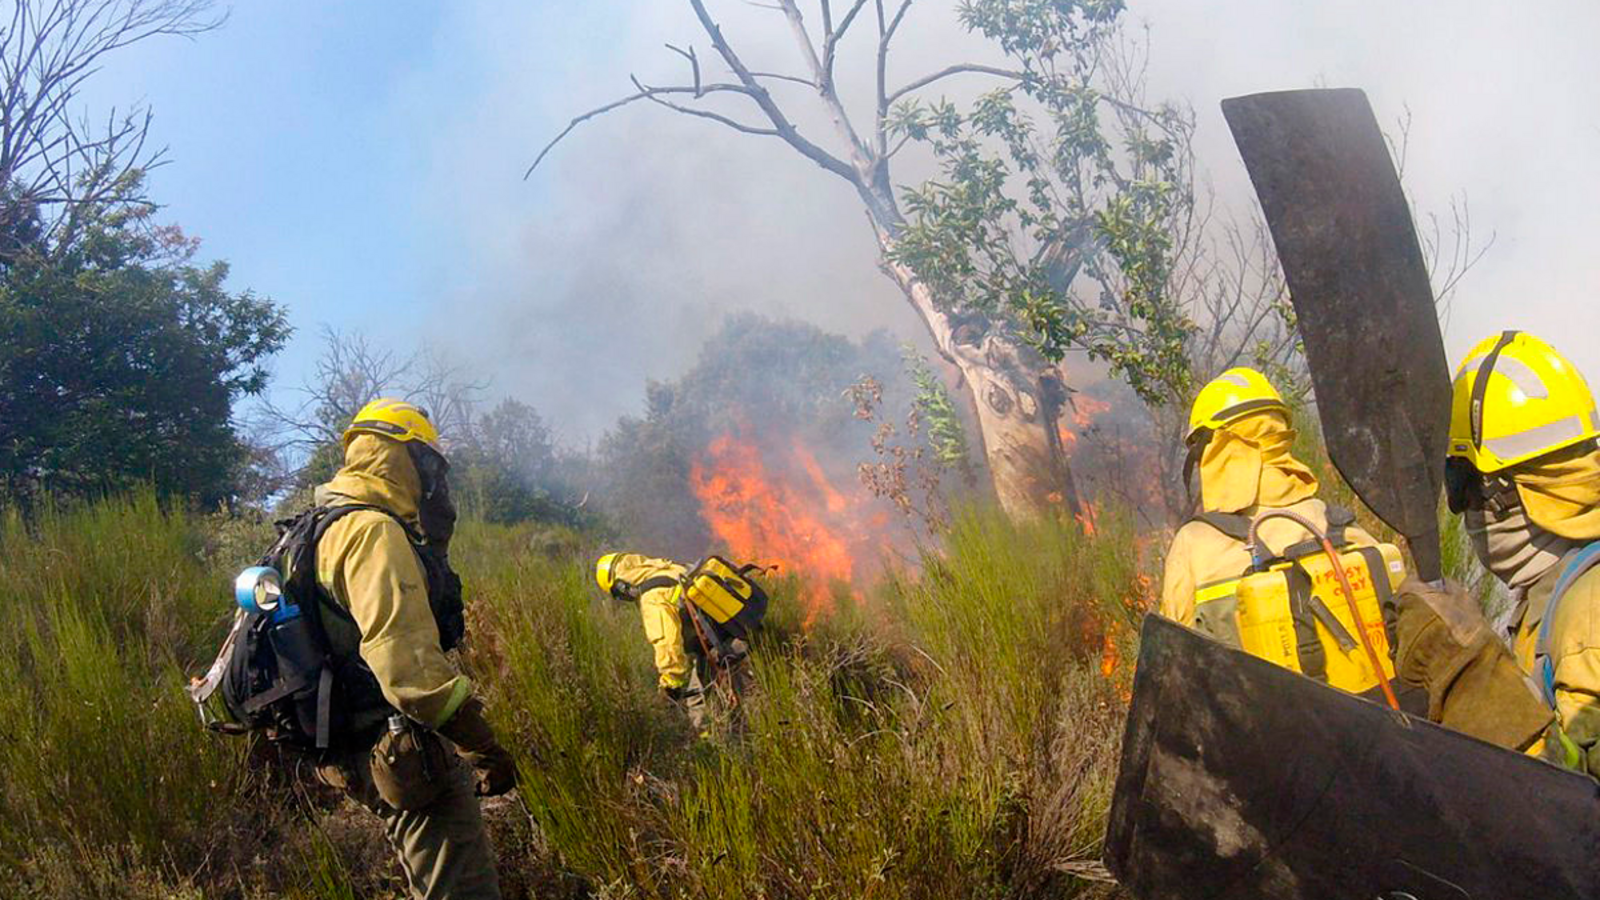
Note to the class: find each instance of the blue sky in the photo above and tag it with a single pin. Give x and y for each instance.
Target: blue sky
(360, 162)
(301, 150)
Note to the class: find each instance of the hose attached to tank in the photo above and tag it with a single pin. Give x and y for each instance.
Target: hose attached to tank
(1344, 583)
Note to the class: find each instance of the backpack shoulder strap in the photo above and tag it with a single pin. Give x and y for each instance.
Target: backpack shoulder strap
(331, 514)
(305, 562)
(656, 583)
(1573, 567)
(1233, 525)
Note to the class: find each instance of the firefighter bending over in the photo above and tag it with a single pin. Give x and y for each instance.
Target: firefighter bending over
(697, 620)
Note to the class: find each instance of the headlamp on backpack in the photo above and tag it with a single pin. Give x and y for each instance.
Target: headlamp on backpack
(259, 589)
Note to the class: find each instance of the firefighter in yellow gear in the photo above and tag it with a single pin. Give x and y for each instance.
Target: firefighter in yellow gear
(1240, 438)
(1523, 469)
(430, 764)
(683, 670)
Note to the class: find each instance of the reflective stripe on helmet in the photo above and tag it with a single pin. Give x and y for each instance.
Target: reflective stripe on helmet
(1543, 437)
(1240, 410)
(1526, 380)
(1480, 385)
(377, 425)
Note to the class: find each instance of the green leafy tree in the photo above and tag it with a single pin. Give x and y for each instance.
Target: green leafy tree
(507, 469)
(121, 359)
(1049, 226)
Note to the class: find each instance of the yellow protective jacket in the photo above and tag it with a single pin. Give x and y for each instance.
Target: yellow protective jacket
(658, 609)
(1203, 561)
(366, 562)
(1575, 650)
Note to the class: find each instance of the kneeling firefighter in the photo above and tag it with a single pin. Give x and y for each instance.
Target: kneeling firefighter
(341, 657)
(698, 620)
(1523, 469)
(1266, 566)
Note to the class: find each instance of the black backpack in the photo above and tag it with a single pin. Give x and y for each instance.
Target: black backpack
(276, 672)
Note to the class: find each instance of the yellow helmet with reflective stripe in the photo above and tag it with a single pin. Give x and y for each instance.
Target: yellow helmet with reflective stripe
(605, 573)
(1235, 393)
(1516, 398)
(395, 419)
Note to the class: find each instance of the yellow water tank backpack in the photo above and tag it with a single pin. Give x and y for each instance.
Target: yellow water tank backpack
(718, 596)
(727, 593)
(1291, 609)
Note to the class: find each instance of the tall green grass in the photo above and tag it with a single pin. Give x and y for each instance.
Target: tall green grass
(952, 737)
(946, 733)
(105, 609)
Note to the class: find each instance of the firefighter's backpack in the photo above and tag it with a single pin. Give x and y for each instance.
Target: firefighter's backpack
(728, 594)
(275, 673)
(1291, 610)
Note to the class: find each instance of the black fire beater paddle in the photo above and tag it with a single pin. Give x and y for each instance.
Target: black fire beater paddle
(1361, 297)
(1240, 779)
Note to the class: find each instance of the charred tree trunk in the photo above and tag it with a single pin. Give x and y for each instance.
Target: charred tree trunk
(1017, 400)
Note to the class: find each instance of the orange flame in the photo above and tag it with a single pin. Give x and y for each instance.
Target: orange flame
(804, 525)
(1109, 654)
(1111, 663)
(1089, 519)
(1083, 411)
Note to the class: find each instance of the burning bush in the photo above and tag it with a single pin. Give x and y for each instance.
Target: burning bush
(754, 451)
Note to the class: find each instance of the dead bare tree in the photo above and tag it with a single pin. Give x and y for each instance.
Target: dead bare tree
(351, 372)
(55, 160)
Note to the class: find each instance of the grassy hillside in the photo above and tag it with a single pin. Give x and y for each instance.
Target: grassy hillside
(950, 734)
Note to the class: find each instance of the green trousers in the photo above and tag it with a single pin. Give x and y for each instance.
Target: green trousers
(443, 848)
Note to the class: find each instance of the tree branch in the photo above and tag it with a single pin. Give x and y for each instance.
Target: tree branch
(948, 71)
(832, 35)
(778, 76)
(694, 64)
(895, 23)
(763, 99)
(886, 30)
(825, 85)
(645, 93)
(654, 96)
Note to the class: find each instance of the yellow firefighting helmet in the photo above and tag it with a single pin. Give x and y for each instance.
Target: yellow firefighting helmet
(605, 573)
(395, 419)
(1516, 398)
(1235, 393)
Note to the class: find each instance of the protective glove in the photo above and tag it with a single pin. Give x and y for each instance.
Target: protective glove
(1446, 647)
(475, 742)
